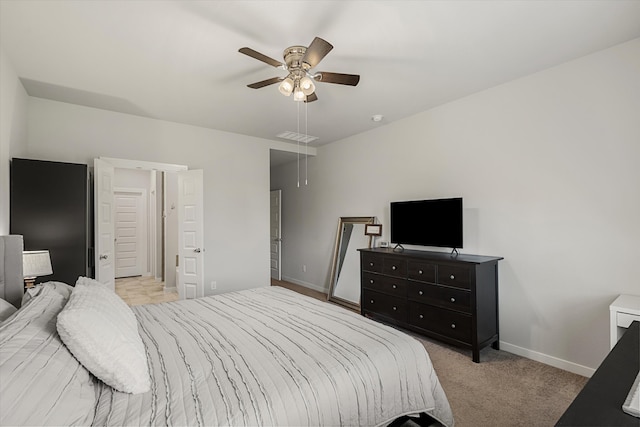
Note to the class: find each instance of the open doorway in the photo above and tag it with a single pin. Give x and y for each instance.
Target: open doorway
(140, 213)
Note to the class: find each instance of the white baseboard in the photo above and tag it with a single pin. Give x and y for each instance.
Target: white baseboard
(547, 360)
(305, 284)
(172, 289)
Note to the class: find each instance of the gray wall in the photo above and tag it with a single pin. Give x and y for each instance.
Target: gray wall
(548, 168)
(236, 176)
(13, 130)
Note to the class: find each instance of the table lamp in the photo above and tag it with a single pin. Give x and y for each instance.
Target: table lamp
(34, 264)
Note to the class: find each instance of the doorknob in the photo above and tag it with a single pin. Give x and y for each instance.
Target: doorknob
(196, 250)
(104, 256)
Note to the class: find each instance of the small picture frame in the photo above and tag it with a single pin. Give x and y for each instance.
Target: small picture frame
(373, 229)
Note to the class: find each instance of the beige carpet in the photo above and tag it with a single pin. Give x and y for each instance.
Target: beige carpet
(502, 390)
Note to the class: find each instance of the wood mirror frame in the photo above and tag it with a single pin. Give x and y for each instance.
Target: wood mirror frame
(346, 292)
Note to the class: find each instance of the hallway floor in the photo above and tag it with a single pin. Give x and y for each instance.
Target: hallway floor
(143, 290)
(146, 290)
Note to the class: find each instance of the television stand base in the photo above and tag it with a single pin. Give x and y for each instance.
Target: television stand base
(398, 248)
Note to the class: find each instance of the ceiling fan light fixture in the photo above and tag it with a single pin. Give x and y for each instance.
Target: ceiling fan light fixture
(299, 61)
(307, 86)
(286, 87)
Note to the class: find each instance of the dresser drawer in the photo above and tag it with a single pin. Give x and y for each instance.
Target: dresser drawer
(422, 271)
(384, 305)
(450, 275)
(394, 267)
(441, 321)
(442, 296)
(371, 262)
(387, 285)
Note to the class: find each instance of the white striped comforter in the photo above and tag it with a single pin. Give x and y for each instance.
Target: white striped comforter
(270, 356)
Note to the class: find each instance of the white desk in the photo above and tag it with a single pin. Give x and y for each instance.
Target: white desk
(624, 310)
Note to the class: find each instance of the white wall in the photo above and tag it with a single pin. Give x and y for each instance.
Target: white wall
(236, 176)
(13, 130)
(549, 168)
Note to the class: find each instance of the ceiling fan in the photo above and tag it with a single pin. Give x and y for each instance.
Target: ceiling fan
(299, 61)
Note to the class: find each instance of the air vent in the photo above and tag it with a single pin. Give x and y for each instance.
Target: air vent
(294, 136)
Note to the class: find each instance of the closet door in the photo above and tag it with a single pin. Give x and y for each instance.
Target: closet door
(50, 208)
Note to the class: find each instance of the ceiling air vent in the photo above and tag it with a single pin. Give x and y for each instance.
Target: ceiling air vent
(299, 137)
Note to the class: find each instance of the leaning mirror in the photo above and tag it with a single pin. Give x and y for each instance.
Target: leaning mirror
(344, 288)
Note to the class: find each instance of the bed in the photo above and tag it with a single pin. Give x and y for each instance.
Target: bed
(265, 356)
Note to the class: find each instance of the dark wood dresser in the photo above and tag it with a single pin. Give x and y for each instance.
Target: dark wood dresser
(453, 298)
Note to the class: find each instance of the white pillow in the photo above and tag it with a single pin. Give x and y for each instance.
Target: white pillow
(102, 333)
(89, 281)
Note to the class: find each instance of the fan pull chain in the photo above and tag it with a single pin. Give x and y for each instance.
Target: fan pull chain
(306, 145)
(298, 139)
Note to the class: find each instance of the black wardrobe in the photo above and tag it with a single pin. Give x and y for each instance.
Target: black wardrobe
(51, 208)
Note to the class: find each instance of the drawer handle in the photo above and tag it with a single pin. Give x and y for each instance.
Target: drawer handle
(419, 292)
(395, 308)
(371, 281)
(452, 277)
(393, 267)
(371, 264)
(371, 301)
(395, 286)
(453, 326)
(420, 271)
(421, 316)
(453, 299)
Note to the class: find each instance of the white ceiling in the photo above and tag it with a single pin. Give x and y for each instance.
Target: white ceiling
(179, 60)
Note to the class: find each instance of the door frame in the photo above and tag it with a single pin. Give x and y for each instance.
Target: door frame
(141, 165)
(278, 239)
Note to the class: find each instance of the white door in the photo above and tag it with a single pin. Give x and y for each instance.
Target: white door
(276, 234)
(130, 236)
(190, 234)
(104, 222)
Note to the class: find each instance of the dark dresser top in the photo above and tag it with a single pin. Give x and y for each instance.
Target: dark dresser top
(435, 256)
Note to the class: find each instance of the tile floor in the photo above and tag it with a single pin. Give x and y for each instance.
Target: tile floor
(146, 290)
(143, 290)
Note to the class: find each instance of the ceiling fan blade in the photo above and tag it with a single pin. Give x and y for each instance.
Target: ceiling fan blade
(338, 78)
(311, 98)
(263, 83)
(260, 57)
(317, 50)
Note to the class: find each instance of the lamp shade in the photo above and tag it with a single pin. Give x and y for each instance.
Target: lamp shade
(307, 86)
(286, 87)
(298, 94)
(36, 263)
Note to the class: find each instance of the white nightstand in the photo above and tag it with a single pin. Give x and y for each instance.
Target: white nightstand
(624, 310)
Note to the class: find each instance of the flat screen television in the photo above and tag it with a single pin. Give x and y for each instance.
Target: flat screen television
(436, 222)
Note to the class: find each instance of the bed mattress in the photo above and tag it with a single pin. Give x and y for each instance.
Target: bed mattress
(270, 356)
